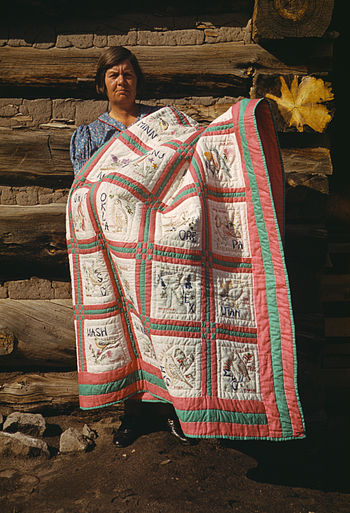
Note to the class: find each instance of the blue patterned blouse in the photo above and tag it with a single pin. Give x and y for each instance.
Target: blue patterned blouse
(88, 138)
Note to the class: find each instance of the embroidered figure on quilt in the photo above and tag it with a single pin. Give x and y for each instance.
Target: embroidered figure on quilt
(149, 163)
(236, 369)
(215, 162)
(178, 368)
(183, 227)
(145, 343)
(94, 280)
(228, 230)
(120, 162)
(115, 212)
(102, 349)
(80, 219)
(177, 291)
(121, 210)
(233, 300)
(164, 125)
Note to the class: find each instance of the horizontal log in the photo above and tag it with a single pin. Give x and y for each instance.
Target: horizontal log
(208, 68)
(43, 334)
(41, 157)
(55, 391)
(337, 327)
(334, 378)
(335, 287)
(33, 236)
(337, 349)
(316, 161)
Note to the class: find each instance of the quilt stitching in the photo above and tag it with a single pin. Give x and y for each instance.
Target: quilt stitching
(165, 234)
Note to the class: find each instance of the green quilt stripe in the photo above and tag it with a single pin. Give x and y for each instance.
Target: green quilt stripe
(243, 334)
(133, 143)
(115, 386)
(78, 278)
(165, 180)
(100, 311)
(222, 416)
(237, 265)
(133, 186)
(184, 193)
(121, 249)
(218, 194)
(127, 320)
(173, 254)
(271, 299)
(88, 245)
(207, 282)
(175, 327)
(225, 126)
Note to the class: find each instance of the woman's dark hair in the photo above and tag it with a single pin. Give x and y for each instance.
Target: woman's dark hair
(111, 57)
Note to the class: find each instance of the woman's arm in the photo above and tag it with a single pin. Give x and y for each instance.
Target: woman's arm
(80, 147)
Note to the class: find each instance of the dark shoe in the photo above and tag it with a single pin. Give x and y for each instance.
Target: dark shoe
(127, 432)
(174, 428)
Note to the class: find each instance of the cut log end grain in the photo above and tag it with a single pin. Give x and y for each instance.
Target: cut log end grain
(7, 342)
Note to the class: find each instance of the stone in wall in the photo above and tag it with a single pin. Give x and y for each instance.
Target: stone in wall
(46, 196)
(9, 108)
(29, 196)
(100, 37)
(32, 195)
(89, 110)
(62, 289)
(7, 195)
(3, 291)
(36, 111)
(170, 37)
(43, 289)
(76, 40)
(128, 39)
(225, 34)
(35, 288)
(63, 110)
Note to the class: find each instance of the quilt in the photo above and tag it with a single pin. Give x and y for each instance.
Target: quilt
(180, 289)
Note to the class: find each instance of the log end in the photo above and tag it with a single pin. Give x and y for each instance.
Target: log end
(8, 342)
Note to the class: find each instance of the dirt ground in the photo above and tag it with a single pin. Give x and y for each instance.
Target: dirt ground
(158, 475)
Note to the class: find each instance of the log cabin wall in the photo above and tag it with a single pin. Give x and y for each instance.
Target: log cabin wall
(198, 58)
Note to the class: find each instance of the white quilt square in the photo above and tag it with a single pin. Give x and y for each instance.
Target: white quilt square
(234, 298)
(176, 292)
(229, 228)
(179, 361)
(105, 347)
(238, 370)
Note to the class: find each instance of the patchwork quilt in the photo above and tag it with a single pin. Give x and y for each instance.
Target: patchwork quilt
(180, 290)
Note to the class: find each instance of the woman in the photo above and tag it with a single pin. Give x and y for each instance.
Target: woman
(120, 78)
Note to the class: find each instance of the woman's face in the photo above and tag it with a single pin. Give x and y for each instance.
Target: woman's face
(121, 83)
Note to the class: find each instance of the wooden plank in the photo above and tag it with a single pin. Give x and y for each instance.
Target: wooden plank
(337, 349)
(280, 19)
(43, 331)
(337, 327)
(41, 157)
(335, 287)
(307, 161)
(224, 67)
(33, 235)
(334, 378)
(338, 361)
(55, 391)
